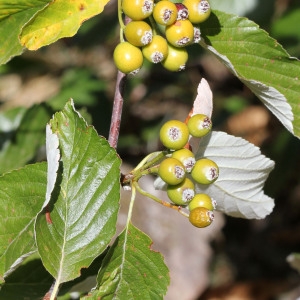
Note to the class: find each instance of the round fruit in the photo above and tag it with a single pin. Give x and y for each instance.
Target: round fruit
(165, 12)
(176, 59)
(205, 171)
(186, 157)
(199, 10)
(157, 50)
(180, 34)
(199, 125)
(174, 134)
(171, 171)
(138, 33)
(128, 58)
(137, 9)
(182, 11)
(202, 200)
(201, 217)
(182, 193)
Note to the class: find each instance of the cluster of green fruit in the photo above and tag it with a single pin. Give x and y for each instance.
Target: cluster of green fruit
(178, 27)
(180, 170)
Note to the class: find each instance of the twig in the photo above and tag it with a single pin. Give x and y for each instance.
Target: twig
(117, 110)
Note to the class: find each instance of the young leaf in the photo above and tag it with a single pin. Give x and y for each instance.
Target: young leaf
(131, 270)
(22, 195)
(14, 14)
(60, 19)
(243, 171)
(259, 62)
(80, 219)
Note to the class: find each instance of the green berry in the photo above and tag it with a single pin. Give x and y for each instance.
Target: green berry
(182, 193)
(180, 34)
(176, 59)
(205, 171)
(199, 10)
(174, 134)
(138, 33)
(171, 171)
(138, 9)
(202, 200)
(199, 125)
(128, 58)
(165, 12)
(157, 50)
(185, 156)
(201, 217)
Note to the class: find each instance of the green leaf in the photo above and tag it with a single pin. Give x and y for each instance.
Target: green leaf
(60, 19)
(259, 62)
(29, 281)
(131, 270)
(22, 195)
(14, 14)
(19, 144)
(82, 214)
(243, 171)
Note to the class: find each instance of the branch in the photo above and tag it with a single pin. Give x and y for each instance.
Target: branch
(117, 110)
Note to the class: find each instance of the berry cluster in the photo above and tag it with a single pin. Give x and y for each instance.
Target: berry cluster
(180, 171)
(159, 32)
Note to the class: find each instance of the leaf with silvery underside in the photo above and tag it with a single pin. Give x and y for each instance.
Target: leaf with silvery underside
(80, 219)
(243, 171)
(259, 61)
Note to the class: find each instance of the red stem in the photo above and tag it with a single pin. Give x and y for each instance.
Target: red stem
(117, 110)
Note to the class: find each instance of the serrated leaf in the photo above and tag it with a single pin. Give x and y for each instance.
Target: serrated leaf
(259, 62)
(14, 14)
(60, 19)
(80, 221)
(238, 7)
(22, 194)
(131, 270)
(19, 144)
(243, 172)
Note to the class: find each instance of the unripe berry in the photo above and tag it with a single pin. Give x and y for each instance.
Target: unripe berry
(182, 193)
(186, 157)
(202, 200)
(165, 12)
(138, 9)
(182, 11)
(180, 34)
(205, 171)
(128, 58)
(201, 217)
(199, 125)
(176, 59)
(174, 134)
(171, 171)
(199, 10)
(157, 50)
(138, 33)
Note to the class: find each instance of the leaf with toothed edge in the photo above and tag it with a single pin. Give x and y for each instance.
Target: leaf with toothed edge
(85, 200)
(259, 62)
(243, 171)
(131, 270)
